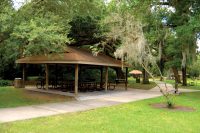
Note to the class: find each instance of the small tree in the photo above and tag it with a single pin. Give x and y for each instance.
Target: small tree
(134, 47)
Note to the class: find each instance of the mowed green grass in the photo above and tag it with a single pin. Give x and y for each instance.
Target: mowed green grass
(135, 117)
(132, 84)
(191, 84)
(12, 97)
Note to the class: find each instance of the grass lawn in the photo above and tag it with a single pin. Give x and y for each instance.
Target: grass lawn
(135, 117)
(132, 84)
(12, 97)
(196, 84)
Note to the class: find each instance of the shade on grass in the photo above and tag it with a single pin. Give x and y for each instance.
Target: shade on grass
(132, 84)
(136, 117)
(12, 97)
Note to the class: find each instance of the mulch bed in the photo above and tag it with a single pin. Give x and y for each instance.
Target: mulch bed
(174, 108)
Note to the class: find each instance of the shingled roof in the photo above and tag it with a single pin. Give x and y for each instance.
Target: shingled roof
(73, 56)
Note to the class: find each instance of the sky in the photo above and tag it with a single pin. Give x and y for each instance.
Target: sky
(18, 3)
(198, 43)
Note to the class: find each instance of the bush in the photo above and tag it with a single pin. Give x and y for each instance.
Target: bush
(5, 83)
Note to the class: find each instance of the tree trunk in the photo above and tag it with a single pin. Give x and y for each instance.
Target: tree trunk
(161, 59)
(177, 78)
(161, 66)
(184, 76)
(145, 77)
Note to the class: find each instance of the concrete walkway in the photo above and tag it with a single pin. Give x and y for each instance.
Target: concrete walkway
(84, 102)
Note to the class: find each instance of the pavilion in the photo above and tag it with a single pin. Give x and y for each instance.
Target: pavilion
(77, 57)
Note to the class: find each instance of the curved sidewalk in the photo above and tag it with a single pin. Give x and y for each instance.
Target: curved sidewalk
(84, 102)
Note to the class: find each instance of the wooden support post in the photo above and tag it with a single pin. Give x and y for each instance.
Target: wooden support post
(47, 76)
(79, 73)
(101, 82)
(106, 79)
(76, 80)
(24, 74)
(126, 78)
(56, 82)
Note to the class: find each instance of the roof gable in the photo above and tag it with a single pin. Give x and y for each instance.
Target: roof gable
(73, 56)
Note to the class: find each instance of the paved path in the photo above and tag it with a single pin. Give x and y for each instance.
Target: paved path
(84, 102)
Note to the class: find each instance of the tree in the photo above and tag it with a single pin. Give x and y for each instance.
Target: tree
(167, 30)
(134, 47)
(84, 31)
(194, 71)
(39, 30)
(7, 13)
(41, 26)
(138, 35)
(40, 35)
(173, 56)
(184, 23)
(87, 31)
(155, 32)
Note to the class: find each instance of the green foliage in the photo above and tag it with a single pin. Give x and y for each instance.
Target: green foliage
(67, 9)
(90, 74)
(172, 53)
(95, 74)
(7, 57)
(6, 19)
(5, 83)
(38, 27)
(194, 69)
(41, 35)
(85, 30)
(46, 26)
(186, 27)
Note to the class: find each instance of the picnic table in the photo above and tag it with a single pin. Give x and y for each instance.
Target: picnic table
(68, 85)
(118, 81)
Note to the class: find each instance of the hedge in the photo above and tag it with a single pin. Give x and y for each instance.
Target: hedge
(5, 83)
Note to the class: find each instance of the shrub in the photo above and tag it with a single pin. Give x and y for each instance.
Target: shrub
(5, 83)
